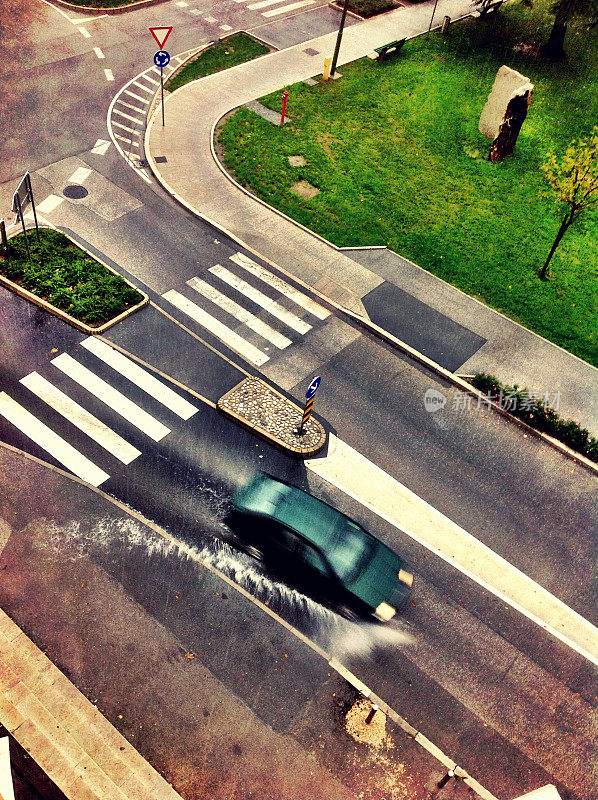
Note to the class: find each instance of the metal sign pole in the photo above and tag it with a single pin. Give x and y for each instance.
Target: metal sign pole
(20, 212)
(162, 89)
(30, 193)
(4, 239)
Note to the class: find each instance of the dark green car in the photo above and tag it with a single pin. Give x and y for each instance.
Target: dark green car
(326, 551)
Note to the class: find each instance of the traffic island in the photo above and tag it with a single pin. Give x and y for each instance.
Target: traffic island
(261, 409)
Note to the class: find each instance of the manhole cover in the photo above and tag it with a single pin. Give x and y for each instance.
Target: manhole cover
(160, 159)
(75, 192)
(311, 52)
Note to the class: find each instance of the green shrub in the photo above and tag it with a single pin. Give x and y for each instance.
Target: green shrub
(537, 413)
(367, 8)
(67, 278)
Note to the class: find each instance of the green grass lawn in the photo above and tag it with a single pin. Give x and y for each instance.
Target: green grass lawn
(64, 275)
(225, 54)
(395, 150)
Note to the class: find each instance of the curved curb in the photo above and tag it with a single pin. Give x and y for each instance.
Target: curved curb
(366, 324)
(332, 662)
(57, 312)
(94, 10)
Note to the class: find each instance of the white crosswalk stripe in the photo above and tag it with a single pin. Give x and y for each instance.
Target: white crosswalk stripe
(50, 441)
(292, 7)
(143, 100)
(111, 397)
(124, 114)
(141, 111)
(263, 4)
(81, 418)
(140, 377)
(221, 331)
(273, 307)
(240, 313)
(282, 286)
(143, 88)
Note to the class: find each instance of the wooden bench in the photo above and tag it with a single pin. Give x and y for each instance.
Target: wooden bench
(388, 50)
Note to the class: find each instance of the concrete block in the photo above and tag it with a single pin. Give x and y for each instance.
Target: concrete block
(507, 83)
(10, 717)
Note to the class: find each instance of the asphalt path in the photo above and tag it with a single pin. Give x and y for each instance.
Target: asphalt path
(473, 659)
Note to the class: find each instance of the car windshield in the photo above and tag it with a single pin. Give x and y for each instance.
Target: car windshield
(347, 550)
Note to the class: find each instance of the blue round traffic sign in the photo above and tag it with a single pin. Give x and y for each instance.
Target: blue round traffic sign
(161, 58)
(313, 387)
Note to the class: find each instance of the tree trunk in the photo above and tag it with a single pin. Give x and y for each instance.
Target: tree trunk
(564, 225)
(555, 46)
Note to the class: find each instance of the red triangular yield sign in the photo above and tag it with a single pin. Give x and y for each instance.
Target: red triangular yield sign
(161, 35)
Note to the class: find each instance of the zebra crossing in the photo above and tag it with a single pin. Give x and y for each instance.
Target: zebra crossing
(247, 317)
(53, 409)
(266, 8)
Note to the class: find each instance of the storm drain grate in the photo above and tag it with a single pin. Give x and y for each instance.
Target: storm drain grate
(311, 52)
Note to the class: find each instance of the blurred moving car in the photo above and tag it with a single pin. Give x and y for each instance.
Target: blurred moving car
(322, 548)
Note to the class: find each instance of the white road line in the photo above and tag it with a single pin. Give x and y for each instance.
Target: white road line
(153, 69)
(263, 4)
(136, 120)
(98, 52)
(226, 28)
(130, 142)
(282, 286)
(181, 4)
(145, 101)
(362, 480)
(51, 442)
(141, 111)
(195, 11)
(144, 88)
(151, 80)
(81, 418)
(140, 377)
(291, 7)
(51, 202)
(108, 74)
(80, 175)
(101, 147)
(260, 299)
(211, 20)
(124, 127)
(240, 313)
(226, 335)
(111, 397)
(84, 32)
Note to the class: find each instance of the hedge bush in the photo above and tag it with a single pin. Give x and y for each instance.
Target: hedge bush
(67, 277)
(367, 8)
(537, 413)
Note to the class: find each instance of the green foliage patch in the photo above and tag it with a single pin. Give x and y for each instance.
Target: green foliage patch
(537, 414)
(66, 277)
(395, 150)
(235, 50)
(367, 8)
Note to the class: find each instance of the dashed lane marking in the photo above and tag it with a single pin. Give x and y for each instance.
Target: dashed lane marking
(48, 205)
(98, 52)
(81, 418)
(84, 32)
(80, 175)
(140, 377)
(101, 147)
(210, 20)
(50, 441)
(226, 27)
(108, 74)
(273, 307)
(111, 397)
(229, 337)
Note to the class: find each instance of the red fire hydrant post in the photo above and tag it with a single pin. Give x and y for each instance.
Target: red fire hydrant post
(285, 97)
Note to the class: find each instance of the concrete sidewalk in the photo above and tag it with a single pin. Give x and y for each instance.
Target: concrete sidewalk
(375, 277)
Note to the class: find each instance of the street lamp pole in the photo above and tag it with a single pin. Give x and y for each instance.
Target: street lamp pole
(338, 39)
(432, 17)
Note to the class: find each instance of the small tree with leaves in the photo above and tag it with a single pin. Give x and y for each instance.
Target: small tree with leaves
(574, 180)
